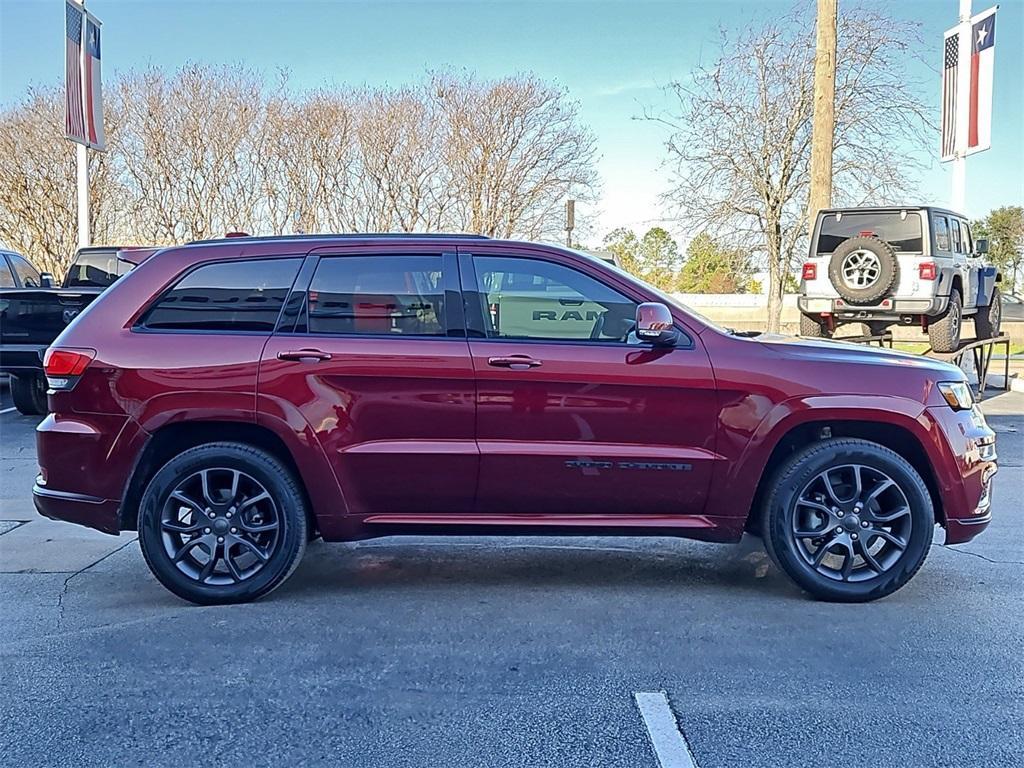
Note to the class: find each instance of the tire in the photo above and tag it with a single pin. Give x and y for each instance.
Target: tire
(813, 328)
(944, 332)
(29, 394)
(990, 318)
(800, 478)
(863, 269)
(169, 527)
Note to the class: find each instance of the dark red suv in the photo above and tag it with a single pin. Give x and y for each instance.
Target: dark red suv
(232, 399)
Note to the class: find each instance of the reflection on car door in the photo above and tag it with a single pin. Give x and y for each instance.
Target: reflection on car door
(582, 418)
(376, 368)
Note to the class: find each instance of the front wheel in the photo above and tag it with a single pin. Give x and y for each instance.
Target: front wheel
(222, 523)
(988, 319)
(848, 520)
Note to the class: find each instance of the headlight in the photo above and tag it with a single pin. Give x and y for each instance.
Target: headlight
(957, 394)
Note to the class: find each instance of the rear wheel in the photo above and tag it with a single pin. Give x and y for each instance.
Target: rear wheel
(29, 393)
(813, 328)
(848, 520)
(944, 332)
(222, 523)
(988, 319)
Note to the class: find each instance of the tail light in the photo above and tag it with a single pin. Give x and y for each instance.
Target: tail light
(63, 367)
(926, 270)
(810, 272)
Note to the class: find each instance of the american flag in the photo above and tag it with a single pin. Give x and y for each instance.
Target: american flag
(74, 112)
(949, 78)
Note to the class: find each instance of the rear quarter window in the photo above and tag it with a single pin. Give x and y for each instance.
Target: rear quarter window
(942, 233)
(6, 275)
(226, 296)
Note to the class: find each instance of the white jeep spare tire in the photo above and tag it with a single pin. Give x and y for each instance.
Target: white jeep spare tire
(863, 269)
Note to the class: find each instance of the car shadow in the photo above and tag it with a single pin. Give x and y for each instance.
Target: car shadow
(532, 562)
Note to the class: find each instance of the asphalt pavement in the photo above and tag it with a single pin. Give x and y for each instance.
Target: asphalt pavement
(506, 652)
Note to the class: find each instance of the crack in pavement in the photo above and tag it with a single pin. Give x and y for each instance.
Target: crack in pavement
(67, 581)
(978, 555)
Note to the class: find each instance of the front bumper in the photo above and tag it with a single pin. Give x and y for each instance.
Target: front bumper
(966, 471)
(888, 309)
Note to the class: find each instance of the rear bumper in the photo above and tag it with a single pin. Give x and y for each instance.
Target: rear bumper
(84, 463)
(21, 358)
(894, 311)
(89, 511)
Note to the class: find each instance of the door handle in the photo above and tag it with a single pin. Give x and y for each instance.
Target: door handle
(515, 362)
(304, 355)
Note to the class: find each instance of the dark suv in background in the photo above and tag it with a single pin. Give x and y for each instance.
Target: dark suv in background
(232, 399)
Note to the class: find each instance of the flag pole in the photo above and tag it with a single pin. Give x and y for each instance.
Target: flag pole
(963, 95)
(84, 239)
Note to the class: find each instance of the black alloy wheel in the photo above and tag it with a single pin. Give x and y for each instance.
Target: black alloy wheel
(222, 523)
(848, 520)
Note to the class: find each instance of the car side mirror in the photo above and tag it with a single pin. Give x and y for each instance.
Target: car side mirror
(981, 246)
(654, 324)
(46, 280)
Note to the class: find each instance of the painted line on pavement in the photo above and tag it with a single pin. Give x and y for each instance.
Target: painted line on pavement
(7, 410)
(667, 738)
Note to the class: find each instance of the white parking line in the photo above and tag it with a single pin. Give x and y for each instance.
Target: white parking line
(669, 744)
(7, 410)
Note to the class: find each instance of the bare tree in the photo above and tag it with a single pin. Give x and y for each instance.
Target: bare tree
(740, 142)
(197, 152)
(516, 151)
(37, 182)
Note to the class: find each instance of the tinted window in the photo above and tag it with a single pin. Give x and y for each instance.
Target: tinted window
(6, 275)
(96, 269)
(372, 295)
(941, 233)
(230, 296)
(534, 299)
(28, 274)
(968, 240)
(957, 244)
(900, 229)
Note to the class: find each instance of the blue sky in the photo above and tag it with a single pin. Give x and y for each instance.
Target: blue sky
(612, 57)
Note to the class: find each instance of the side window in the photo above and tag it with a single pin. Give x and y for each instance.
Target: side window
(965, 229)
(375, 295)
(941, 233)
(957, 243)
(6, 275)
(28, 274)
(226, 296)
(528, 298)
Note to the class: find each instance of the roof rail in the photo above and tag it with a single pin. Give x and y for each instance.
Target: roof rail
(350, 236)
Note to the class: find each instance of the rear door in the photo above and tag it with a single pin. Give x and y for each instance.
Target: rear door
(574, 414)
(375, 367)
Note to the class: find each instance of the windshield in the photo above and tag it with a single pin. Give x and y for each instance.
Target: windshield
(96, 269)
(900, 229)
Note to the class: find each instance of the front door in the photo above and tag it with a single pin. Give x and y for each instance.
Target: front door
(575, 415)
(376, 368)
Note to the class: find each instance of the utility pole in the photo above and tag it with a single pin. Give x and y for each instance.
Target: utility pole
(824, 126)
(570, 221)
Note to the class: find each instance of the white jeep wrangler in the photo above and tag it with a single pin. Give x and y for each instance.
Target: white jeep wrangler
(908, 266)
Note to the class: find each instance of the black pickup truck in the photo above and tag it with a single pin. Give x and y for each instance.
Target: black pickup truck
(33, 312)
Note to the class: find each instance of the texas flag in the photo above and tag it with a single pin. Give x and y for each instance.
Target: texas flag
(979, 119)
(83, 94)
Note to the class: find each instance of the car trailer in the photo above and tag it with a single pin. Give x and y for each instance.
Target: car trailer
(981, 350)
